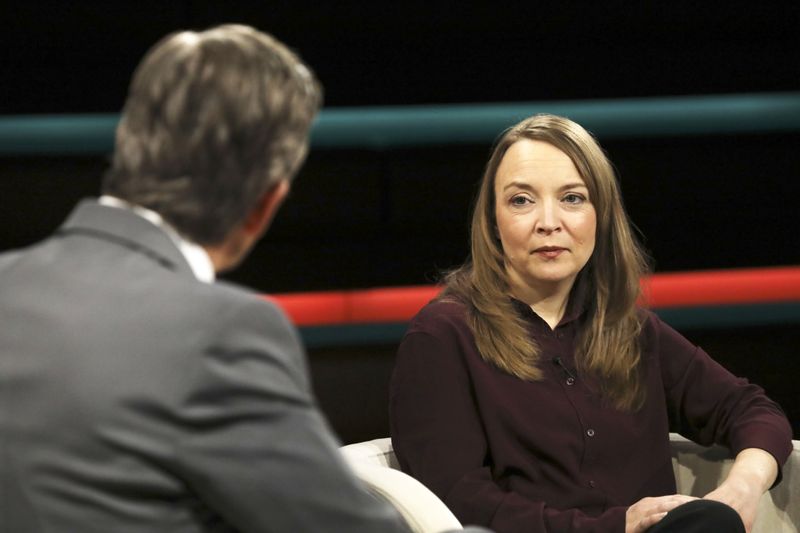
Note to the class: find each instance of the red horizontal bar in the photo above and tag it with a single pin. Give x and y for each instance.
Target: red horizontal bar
(674, 289)
(394, 304)
(314, 308)
(723, 287)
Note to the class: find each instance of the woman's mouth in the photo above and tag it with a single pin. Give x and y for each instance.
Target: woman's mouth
(549, 252)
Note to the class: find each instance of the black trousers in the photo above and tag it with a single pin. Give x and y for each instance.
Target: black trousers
(700, 516)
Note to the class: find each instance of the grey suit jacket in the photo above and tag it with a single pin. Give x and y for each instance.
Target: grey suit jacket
(134, 398)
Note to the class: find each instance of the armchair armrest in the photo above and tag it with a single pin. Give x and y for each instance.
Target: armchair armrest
(699, 470)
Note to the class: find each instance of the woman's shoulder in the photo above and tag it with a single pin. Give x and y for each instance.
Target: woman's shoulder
(441, 333)
(647, 318)
(652, 323)
(444, 304)
(443, 312)
(659, 337)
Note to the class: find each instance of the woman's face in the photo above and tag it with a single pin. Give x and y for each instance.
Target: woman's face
(545, 219)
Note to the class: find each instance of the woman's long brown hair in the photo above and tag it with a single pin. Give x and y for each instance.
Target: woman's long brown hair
(608, 345)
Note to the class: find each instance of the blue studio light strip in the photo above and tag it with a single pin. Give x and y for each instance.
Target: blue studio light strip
(389, 127)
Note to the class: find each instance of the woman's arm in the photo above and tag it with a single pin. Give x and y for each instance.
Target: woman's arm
(753, 473)
(710, 405)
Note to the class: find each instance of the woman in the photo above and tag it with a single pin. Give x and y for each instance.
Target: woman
(534, 395)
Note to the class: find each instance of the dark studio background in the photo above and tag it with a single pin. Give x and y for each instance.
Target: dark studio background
(364, 218)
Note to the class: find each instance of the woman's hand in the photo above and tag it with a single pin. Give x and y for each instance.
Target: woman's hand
(742, 497)
(753, 473)
(648, 511)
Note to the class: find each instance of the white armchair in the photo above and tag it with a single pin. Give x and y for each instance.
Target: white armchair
(375, 464)
(697, 471)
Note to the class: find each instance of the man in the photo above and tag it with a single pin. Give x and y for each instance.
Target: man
(137, 395)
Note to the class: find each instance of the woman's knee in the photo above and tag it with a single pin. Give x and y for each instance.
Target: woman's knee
(700, 516)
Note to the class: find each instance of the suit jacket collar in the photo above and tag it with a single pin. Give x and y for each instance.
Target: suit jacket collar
(126, 229)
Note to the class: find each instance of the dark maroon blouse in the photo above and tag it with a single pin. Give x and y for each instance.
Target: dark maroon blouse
(550, 456)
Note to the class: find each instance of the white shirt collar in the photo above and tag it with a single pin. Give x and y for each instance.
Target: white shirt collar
(194, 254)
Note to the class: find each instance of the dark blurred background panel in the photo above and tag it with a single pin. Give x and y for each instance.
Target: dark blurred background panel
(77, 56)
(359, 218)
(362, 217)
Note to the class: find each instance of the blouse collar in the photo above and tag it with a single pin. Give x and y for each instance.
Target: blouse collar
(576, 305)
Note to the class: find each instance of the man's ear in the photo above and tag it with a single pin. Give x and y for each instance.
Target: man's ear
(261, 215)
(241, 239)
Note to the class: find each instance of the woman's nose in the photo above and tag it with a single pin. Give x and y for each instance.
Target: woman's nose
(547, 221)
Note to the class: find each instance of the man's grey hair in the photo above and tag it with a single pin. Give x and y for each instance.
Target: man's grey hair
(212, 121)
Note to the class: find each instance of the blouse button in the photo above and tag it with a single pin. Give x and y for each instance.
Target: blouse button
(590, 432)
(570, 381)
(560, 334)
(592, 483)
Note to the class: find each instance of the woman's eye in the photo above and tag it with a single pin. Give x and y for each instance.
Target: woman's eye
(519, 200)
(573, 198)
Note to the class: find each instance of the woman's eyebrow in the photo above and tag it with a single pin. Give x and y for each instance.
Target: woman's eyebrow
(528, 187)
(575, 185)
(518, 185)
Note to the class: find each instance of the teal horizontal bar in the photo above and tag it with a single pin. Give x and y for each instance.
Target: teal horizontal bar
(352, 334)
(406, 126)
(681, 318)
(731, 316)
(57, 134)
(387, 127)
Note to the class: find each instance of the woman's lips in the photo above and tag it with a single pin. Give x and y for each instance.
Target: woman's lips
(549, 252)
